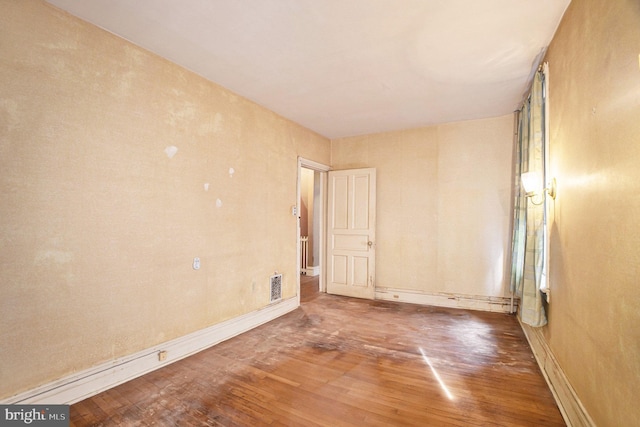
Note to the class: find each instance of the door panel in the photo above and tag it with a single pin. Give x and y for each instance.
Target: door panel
(351, 249)
(349, 242)
(340, 196)
(360, 271)
(361, 202)
(339, 275)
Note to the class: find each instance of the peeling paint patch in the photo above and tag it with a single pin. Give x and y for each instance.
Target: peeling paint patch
(218, 203)
(171, 151)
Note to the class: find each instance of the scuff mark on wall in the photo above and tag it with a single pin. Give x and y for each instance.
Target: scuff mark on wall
(171, 151)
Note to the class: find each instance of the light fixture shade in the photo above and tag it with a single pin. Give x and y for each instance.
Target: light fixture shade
(531, 182)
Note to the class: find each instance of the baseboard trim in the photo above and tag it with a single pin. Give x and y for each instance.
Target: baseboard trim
(571, 408)
(469, 302)
(87, 383)
(311, 270)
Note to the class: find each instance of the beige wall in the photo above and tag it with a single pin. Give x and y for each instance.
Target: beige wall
(99, 227)
(594, 316)
(443, 197)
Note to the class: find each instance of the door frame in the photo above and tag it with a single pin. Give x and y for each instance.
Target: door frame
(323, 169)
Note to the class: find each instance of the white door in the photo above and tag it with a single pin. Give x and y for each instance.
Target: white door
(351, 233)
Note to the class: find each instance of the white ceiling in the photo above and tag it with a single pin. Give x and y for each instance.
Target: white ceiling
(347, 67)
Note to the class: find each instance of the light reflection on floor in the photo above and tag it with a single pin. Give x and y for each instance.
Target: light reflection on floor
(435, 374)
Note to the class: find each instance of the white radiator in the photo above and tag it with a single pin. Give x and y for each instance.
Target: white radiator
(304, 252)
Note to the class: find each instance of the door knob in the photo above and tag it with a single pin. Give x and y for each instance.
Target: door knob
(370, 243)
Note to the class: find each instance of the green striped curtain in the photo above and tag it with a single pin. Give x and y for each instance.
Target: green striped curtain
(528, 245)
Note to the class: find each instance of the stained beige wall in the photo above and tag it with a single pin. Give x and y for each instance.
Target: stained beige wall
(594, 315)
(99, 226)
(443, 204)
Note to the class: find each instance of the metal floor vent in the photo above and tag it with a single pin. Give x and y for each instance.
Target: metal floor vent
(276, 287)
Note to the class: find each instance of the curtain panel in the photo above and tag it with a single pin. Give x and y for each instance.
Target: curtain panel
(528, 242)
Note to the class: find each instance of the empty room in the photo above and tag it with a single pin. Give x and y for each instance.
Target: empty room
(320, 213)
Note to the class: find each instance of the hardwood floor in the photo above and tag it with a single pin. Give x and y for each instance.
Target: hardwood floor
(339, 361)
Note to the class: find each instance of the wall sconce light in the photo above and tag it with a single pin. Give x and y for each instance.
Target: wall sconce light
(532, 184)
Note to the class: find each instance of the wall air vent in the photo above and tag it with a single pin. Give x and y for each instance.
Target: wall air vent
(276, 287)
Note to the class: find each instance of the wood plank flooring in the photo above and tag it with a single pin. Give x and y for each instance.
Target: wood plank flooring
(344, 362)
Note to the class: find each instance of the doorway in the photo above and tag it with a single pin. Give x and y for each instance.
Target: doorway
(312, 179)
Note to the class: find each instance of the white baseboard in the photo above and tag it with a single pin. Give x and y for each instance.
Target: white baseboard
(92, 381)
(469, 302)
(573, 412)
(311, 270)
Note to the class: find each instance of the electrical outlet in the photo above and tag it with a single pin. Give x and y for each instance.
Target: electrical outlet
(162, 355)
(196, 263)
